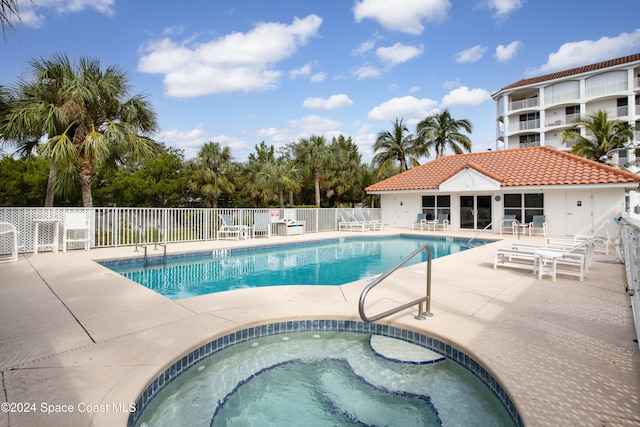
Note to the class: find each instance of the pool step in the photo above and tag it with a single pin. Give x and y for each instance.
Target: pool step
(402, 352)
(357, 400)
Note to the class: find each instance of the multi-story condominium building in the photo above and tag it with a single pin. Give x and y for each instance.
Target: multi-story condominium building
(535, 111)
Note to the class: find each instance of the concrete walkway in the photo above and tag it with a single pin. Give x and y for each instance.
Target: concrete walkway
(77, 340)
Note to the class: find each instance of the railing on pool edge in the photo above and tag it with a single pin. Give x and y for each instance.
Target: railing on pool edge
(426, 299)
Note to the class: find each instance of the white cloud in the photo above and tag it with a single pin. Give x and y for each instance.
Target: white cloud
(585, 52)
(332, 103)
(502, 8)
(305, 70)
(472, 54)
(505, 53)
(32, 12)
(366, 72)
(465, 96)
(235, 62)
(398, 53)
(363, 48)
(190, 141)
(575, 54)
(318, 77)
(407, 17)
(408, 107)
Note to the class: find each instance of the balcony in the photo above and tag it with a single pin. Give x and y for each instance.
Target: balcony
(622, 111)
(562, 121)
(529, 124)
(524, 103)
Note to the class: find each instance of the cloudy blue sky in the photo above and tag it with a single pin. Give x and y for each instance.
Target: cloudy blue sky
(245, 71)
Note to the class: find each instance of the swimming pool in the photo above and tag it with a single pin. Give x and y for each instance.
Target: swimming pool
(323, 262)
(321, 373)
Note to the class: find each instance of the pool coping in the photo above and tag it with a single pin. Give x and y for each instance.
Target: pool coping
(72, 333)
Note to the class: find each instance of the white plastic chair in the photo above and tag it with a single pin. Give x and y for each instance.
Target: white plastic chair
(261, 224)
(76, 229)
(9, 230)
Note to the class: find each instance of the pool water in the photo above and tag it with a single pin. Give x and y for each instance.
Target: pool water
(330, 262)
(321, 379)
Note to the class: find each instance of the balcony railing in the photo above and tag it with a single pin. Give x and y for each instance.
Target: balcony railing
(622, 111)
(524, 103)
(529, 124)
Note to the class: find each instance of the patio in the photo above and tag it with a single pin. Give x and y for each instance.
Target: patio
(75, 336)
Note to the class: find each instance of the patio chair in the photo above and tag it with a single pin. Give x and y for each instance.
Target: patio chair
(360, 218)
(538, 224)
(231, 230)
(441, 222)
(348, 223)
(261, 226)
(509, 222)
(76, 229)
(9, 230)
(420, 221)
(375, 223)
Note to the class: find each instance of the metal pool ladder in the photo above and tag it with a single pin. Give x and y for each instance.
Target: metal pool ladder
(163, 243)
(426, 299)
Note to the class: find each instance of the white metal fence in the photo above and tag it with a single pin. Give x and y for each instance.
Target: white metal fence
(630, 245)
(118, 226)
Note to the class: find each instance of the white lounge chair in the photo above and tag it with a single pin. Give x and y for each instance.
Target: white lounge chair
(359, 218)
(229, 230)
(76, 229)
(8, 230)
(348, 223)
(374, 222)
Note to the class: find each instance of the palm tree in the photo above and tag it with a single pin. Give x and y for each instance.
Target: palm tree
(213, 174)
(281, 175)
(395, 146)
(315, 155)
(8, 11)
(31, 113)
(441, 131)
(86, 115)
(345, 179)
(603, 135)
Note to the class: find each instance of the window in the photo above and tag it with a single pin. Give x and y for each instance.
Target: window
(530, 139)
(623, 106)
(529, 121)
(435, 205)
(524, 206)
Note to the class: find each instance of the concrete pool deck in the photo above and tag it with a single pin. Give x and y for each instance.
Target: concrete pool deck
(75, 336)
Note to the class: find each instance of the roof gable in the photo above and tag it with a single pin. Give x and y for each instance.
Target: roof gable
(470, 178)
(535, 166)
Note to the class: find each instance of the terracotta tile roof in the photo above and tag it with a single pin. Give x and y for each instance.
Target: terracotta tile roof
(574, 71)
(539, 166)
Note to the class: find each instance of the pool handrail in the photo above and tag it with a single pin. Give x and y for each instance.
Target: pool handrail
(426, 299)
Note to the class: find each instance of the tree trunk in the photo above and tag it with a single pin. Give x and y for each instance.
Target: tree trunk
(290, 197)
(51, 186)
(317, 186)
(281, 197)
(85, 167)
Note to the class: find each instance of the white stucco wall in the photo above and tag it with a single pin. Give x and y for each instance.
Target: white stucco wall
(568, 212)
